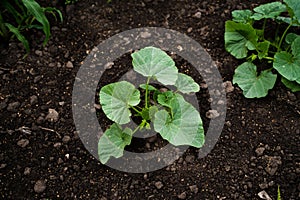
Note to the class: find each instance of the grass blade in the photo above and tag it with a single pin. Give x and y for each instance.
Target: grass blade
(20, 37)
(37, 11)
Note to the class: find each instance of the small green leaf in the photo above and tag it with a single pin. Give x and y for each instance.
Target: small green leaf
(116, 99)
(165, 98)
(269, 10)
(251, 84)
(20, 37)
(288, 65)
(186, 84)
(113, 142)
(152, 111)
(242, 16)
(292, 85)
(154, 62)
(239, 38)
(184, 127)
(150, 87)
(263, 49)
(289, 39)
(294, 6)
(37, 11)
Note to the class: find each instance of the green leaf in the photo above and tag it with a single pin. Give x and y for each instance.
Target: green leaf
(37, 11)
(288, 65)
(294, 6)
(184, 127)
(20, 37)
(239, 38)
(52, 11)
(150, 87)
(242, 16)
(186, 84)
(296, 47)
(288, 20)
(165, 98)
(289, 39)
(116, 99)
(152, 111)
(292, 85)
(263, 49)
(113, 142)
(154, 62)
(269, 10)
(251, 84)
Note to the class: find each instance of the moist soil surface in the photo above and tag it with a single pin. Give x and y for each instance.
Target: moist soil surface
(42, 156)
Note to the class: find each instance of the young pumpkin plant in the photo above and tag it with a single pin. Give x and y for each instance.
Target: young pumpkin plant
(175, 119)
(244, 40)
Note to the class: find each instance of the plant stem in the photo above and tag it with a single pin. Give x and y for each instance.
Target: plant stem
(136, 110)
(264, 26)
(269, 58)
(146, 94)
(282, 37)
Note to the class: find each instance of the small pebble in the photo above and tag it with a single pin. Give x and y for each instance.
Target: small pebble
(158, 185)
(23, 143)
(39, 186)
(12, 107)
(66, 139)
(182, 195)
(211, 114)
(39, 53)
(52, 115)
(260, 151)
(69, 64)
(194, 189)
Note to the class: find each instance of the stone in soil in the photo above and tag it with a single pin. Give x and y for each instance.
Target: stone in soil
(12, 107)
(182, 195)
(52, 115)
(39, 186)
(259, 151)
(273, 163)
(158, 184)
(211, 114)
(23, 143)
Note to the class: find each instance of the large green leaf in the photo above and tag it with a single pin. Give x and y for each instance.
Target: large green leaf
(294, 5)
(184, 127)
(239, 38)
(186, 84)
(269, 10)
(116, 99)
(37, 11)
(251, 84)
(292, 85)
(113, 142)
(288, 65)
(154, 62)
(242, 16)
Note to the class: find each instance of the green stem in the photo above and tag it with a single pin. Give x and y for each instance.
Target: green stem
(264, 26)
(147, 91)
(283, 36)
(135, 130)
(136, 110)
(269, 58)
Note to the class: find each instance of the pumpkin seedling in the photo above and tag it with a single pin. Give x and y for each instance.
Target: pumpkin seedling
(175, 119)
(244, 41)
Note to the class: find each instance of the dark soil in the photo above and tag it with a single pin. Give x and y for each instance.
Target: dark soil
(43, 159)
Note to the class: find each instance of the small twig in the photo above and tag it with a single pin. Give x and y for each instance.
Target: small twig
(51, 130)
(24, 129)
(5, 69)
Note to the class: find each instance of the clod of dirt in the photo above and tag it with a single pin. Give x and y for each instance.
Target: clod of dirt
(66, 139)
(211, 114)
(12, 107)
(260, 151)
(228, 86)
(182, 195)
(27, 170)
(194, 189)
(158, 185)
(273, 164)
(23, 143)
(52, 115)
(39, 186)
(33, 99)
